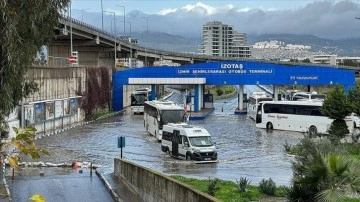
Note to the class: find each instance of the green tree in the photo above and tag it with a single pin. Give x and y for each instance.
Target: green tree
(336, 106)
(352, 63)
(306, 60)
(25, 26)
(354, 97)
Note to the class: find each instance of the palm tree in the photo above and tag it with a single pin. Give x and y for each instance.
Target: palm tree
(324, 178)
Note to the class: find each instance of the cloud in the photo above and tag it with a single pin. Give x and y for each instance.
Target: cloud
(166, 11)
(327, 19)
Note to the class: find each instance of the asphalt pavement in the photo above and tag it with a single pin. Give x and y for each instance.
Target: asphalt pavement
(65, 184)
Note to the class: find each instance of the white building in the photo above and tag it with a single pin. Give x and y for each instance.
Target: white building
(323, 59)
(222, 40)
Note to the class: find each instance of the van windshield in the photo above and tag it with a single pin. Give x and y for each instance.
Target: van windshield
(204, 141)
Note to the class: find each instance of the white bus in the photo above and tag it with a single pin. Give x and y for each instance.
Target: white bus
(188, 142)
(308, 96)
(138, 98)
(301, 116)
(158, 113)
(253, 103)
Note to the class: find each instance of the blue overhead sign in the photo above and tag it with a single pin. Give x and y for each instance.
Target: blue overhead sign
(240, 73)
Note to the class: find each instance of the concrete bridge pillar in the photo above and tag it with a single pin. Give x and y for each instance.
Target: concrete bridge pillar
(310, 88)
(276, 92)
(241, 98)
(198, 97)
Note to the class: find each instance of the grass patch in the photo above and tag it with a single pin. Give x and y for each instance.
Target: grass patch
(228, 191)
(101, 114)
(222, 92)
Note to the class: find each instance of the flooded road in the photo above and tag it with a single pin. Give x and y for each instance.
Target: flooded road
(243, 150)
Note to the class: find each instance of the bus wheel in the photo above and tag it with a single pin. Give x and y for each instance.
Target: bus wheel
(312, 131)
(269, 126)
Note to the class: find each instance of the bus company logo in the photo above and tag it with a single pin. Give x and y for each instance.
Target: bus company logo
(231, 66)
(281, 117)
(277, 116)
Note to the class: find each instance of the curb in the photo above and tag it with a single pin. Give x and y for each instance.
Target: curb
(53, 133)
(108, 186)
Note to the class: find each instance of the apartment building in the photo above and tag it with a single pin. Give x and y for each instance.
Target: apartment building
(222, 40)
(323, 59)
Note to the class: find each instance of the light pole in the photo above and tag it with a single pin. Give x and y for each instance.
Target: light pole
(124, 18)
(71, 38)
(114, 35)
(102, 16)
(147, 32)
(82, 14)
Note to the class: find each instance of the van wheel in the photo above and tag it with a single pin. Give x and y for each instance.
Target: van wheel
(312, 131)
(188, 157)
(269, 126)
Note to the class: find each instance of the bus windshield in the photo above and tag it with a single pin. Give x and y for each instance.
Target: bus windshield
(202, 141)
(138, 99)
(171, 116)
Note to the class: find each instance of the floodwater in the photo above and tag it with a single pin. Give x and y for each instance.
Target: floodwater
(243, 149)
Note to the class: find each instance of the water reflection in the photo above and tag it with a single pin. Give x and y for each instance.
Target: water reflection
(243, 150)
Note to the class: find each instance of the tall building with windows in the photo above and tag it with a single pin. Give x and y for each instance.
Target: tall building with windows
(222, 40)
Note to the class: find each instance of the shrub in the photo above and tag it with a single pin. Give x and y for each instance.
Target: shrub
(242, 184)
(267, 187)
(219, 91)
(211, 189)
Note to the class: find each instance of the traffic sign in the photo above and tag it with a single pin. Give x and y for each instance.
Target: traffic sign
(72, 59)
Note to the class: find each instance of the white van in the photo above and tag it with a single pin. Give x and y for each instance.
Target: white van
(188, 142)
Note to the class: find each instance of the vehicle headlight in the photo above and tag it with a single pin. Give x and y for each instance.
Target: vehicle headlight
(196, 151)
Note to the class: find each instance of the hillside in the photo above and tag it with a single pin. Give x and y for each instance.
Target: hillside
(165, 41)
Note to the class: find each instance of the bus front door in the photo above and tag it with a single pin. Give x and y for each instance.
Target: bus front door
(258, 118)
(175, 143)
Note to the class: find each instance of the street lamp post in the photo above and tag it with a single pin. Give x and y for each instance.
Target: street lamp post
(114, 35)
(130, 41)
(102, 16)
(124, 19)
(71, 38)
(147, 32)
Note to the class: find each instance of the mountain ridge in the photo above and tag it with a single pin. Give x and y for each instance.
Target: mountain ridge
(177, 43)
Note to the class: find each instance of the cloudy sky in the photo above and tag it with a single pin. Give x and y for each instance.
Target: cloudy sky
(334, 19)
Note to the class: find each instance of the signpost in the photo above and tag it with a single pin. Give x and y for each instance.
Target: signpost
(121, 143)
(72, 59)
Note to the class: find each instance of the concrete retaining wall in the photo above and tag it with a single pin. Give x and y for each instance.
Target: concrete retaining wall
(154, 186)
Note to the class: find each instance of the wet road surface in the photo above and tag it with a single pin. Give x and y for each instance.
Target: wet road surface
(243, 150)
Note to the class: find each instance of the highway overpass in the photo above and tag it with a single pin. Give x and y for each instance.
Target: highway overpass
(96, 47)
